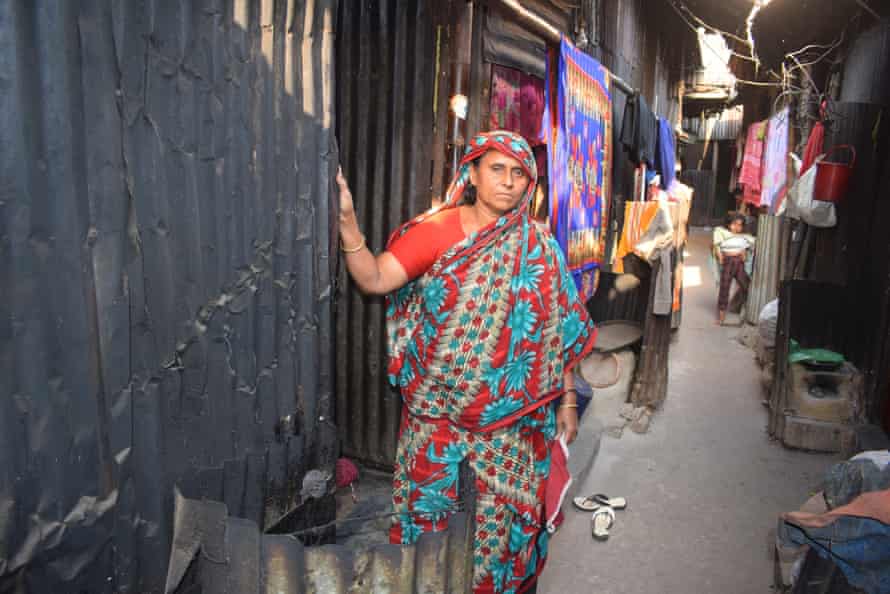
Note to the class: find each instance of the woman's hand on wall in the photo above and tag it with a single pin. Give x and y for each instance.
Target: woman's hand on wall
(347, 206)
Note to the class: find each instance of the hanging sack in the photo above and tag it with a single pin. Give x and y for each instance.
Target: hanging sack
(802, 206)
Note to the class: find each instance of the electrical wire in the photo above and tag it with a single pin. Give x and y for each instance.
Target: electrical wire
(706, 26)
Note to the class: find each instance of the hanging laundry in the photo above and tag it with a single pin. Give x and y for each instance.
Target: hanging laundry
(665, 158)
(638, 217)
(517, 103)
(580, 155)
(752, 163)
(505, 109)
(814, 144)
(531, 113)
(639, 131)
(649, 233)
(775, 161)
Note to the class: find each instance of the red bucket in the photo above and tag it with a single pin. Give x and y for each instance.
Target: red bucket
(833, 178)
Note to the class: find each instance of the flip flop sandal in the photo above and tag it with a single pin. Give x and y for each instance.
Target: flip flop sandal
(601, 521)
(594, 502)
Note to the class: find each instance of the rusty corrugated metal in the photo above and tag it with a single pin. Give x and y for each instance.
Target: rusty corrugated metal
(218, 554)
(386, 54)
(703, 186)
(770, 262)
(640, 42)
(726, 126)
(165, 285)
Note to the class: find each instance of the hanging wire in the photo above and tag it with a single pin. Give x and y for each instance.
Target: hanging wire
(714, 50)
(706, 26)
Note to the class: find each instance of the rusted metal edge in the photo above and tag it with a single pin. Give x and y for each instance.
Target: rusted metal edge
(547, 32)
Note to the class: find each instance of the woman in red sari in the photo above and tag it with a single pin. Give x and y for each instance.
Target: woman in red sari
(484, 326)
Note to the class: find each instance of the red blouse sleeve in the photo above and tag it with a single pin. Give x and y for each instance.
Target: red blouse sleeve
(419, 248)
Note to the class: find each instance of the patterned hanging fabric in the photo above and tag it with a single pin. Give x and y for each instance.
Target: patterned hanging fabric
(580, 140)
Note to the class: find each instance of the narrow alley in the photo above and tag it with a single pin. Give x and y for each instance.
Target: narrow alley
(311, 296)
(704, 486)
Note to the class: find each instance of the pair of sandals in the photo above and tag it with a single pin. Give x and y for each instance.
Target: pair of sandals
(603, 508)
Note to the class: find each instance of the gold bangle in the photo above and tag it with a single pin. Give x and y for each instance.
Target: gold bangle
(569, 405)
(357, 248)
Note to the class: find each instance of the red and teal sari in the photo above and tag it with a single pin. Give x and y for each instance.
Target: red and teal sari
(478, 347)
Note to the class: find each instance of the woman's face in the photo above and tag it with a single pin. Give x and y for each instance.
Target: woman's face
(500, 182)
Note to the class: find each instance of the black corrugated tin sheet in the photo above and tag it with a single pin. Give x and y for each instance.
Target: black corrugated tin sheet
(214, 553)
(165, 275)
(386, 55)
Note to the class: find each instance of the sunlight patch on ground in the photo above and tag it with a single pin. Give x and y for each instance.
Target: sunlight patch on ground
(692, 276)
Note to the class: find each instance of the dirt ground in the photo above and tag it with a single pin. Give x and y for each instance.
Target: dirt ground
(704, 486)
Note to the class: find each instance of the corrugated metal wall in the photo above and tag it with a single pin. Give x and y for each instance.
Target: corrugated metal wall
(703, 184)
(165, 285)
(640, 42)
(386, 53)
(726, 126)
(770, 262)
(218, 554)
(854, 254)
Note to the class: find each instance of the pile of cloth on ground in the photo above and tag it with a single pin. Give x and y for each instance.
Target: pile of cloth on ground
(847, 523)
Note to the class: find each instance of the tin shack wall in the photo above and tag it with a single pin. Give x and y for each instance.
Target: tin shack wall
(165, 279)
(386, 51)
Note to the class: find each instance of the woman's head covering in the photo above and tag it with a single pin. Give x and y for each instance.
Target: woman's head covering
(508, 143)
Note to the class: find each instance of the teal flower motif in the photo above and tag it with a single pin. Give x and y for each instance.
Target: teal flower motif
(543, 543)
(528, 278)
(402, 295)
(452, 453)
(571, 328)
(522, 320)
(410, 530)
(429, 331)
(519, 539)
(406, 375)
(518, 371)
(434, 295)
(499, 572)
(499, 409)
(492, 376)
(437, 505)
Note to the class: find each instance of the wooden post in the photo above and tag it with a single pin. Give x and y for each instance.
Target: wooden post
(459, 97)
(651, 383)
(715, 162)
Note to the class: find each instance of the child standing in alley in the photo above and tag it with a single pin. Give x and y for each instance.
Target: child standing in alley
(731, 248)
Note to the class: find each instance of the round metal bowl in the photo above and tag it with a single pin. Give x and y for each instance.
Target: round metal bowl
(615, 335)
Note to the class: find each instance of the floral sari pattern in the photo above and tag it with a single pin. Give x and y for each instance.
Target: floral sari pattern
(478, 348)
